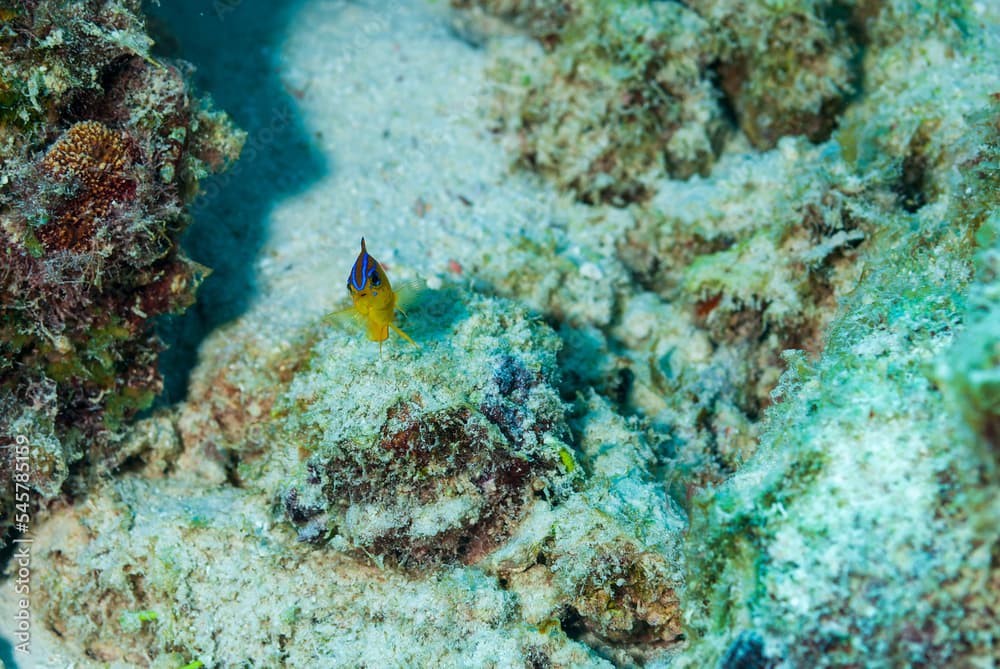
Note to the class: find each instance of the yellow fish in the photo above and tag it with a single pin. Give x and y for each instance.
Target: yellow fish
(374, 301)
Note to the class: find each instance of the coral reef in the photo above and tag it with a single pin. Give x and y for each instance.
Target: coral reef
(154, 542)
(863, 529)
(784, 68)
(419, 462)
(620, 95)
(746, 277)
(417, 478)
(99, 160)
(855, 253)
(628, 93)
(542, 19)
(623, 97)
(967, 373)
(730, 408)
(101, 147)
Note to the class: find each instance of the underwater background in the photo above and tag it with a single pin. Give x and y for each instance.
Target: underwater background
(705, 307)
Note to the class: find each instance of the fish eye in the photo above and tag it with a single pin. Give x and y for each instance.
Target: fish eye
(374, 278)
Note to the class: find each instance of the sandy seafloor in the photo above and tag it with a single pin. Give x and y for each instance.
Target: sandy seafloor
(364, 119)
(384, 103)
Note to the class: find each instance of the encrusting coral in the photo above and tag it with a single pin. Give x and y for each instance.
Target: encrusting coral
(102, 147)
(98, 160)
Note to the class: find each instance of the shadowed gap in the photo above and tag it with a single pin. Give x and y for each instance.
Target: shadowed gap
(233, 44)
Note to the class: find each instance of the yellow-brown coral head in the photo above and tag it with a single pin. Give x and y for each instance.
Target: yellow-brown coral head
(98, 159)
(89, 151)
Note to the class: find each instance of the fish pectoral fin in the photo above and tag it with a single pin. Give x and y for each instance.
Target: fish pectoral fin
(342, 317)
(409, 293)
(403, 335)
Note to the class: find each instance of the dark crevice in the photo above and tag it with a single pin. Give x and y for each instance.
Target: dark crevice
(746, 652)
(232, 44)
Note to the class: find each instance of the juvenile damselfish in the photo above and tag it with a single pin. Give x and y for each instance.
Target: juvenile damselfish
(374, 301)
